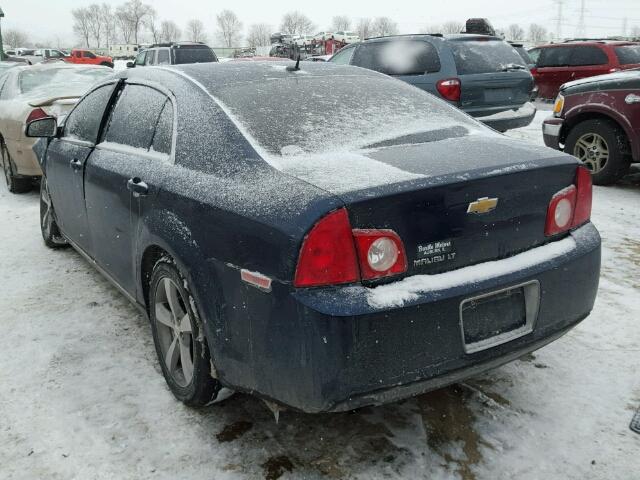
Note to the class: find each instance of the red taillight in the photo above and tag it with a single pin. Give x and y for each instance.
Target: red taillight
(584, 197)
(534, 71)
(381, 253)
(571, 206)
(449, 89)
(36, 114)
(328, 254)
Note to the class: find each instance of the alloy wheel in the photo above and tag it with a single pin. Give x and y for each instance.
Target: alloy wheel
(592, 150)
(173, 323)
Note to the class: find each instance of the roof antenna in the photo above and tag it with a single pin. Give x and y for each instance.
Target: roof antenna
(296, 68)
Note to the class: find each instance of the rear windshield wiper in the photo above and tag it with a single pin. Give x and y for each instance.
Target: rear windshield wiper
(512, 66)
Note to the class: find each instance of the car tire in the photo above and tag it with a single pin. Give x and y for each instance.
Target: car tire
(601, 146)
(182, 349)
(107, 64)
(15, 184)
(51, 234)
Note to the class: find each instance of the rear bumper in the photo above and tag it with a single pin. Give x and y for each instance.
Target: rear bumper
(551, 130)
(329, 350)
(23, 158)
(509, 119)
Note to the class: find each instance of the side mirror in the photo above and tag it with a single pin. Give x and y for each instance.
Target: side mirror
(130, 65)
(42, 128)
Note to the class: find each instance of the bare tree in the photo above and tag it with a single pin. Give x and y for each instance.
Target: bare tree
(537, 33)
(135, 13)
(452, 27)
(195, 31)
(124, 24)
(296, 23)
(94, 18)
(169, 31)
(14, 38)
(153, 25)
(229, 28)
(635, 32)
(81, 24)
(340, 23)
(515, 32)
(364, 28)
(434, 28)
(259, 35)
(384, 26)
(108, 23)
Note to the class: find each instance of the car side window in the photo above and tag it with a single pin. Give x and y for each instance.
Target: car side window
(555, 57)
(584, 56)
(398, 57)
(163, 136)
(141, 58)
(164, 57)
(88, 55)
(343, 57)
(83, 123)
(151, 54)
(134, 117)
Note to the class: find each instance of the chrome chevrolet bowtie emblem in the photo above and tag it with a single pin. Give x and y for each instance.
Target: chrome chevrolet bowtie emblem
(483, 205)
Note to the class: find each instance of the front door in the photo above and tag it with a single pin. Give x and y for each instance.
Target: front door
(66, 160)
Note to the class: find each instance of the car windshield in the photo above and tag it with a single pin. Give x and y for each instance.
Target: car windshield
(60, 81)
(628, 54)
(484, 56)
(194, 55)
(361, 111)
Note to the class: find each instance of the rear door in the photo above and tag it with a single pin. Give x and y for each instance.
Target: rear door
(412, 60)
(123, 176)
(493, 76)
(553, 68)
(66, 162)
(588, 61)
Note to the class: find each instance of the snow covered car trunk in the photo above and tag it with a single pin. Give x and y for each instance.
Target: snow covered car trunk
(308, 247)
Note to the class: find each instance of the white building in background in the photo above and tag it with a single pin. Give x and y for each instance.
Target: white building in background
(123, 50)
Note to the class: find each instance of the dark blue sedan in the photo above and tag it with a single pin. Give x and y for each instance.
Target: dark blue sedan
(325, 237)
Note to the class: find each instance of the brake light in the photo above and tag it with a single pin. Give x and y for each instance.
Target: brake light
(328, 254)
(36, 114)
(571, 206)
(381, 253)
(450, 89)
(584, 197)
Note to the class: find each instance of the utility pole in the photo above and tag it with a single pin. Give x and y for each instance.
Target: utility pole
(559, 19)
(581, 30)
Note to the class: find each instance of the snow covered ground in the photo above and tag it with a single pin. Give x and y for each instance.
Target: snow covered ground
(82, 396)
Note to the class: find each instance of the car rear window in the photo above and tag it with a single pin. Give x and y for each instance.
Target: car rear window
(483, 56)
(524, 54)
(194, 55)
(628, 54)
(398, 57)
(360, 111)
(585, 56)
(53, 81)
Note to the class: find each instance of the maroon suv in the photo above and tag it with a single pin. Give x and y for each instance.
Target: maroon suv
(598, 121)
(564, 62)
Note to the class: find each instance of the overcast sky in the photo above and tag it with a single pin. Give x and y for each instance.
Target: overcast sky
(50, 20)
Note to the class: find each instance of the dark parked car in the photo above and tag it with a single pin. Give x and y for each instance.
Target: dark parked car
(176, 53)
(598, 120)
(563, 62)
(318, 267)
(482, 75)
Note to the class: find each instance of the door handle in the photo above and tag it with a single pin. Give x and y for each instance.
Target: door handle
(137, 186)
(75, 164)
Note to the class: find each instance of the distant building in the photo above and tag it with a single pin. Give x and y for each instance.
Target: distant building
(123, 50)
